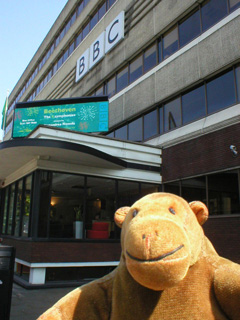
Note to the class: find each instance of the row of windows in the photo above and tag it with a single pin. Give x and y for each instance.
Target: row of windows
(204, 17)
(211, 96)
(219, 191)
(46, 204)
(92, 21)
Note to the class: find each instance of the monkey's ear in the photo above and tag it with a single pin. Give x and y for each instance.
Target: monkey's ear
(120, 216)
(200, 210)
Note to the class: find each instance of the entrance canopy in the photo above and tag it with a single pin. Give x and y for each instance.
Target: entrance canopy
(68, 151)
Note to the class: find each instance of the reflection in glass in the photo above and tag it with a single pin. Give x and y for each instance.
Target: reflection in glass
(122, 79)
(221, 92)
(223, 193)
(170, 42)
(150, 124)
(212, 12)
(94, 21)
(172, 115)
(135, 129)
(11, 208)
(193, 105)
(128, 193)
(150, 58)
(189, 29)
(121, 133)
(102, 11)
(172, 187)
(85, 31)
(194, 189)
(5, 210)
(100, 91)
(27, 206)
(18, 207)
(136, 69)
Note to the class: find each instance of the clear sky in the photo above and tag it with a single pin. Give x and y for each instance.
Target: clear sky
(23, 26)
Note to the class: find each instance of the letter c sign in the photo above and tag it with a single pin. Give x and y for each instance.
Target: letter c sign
(114, 32)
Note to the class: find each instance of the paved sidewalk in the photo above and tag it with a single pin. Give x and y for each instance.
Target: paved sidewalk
(30, 304)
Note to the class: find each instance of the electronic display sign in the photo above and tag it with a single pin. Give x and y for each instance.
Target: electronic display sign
(88, 114)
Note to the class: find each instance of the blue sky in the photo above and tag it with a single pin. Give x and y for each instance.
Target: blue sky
(23, 26)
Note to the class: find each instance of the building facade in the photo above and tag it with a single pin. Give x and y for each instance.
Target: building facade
(171, 71)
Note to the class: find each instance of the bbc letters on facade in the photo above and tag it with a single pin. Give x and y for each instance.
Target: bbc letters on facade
(106, 41)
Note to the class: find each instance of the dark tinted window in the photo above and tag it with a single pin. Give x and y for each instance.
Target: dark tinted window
(193, 105)
(189, 29)
(234, 4)
(136, 69)
(170, 43)
(121, 133)
(150, 58)
(135, 130)
(172, 115)
(221, 92)
(238, 81)
(212, 12)
(150, 124)
(122, 79)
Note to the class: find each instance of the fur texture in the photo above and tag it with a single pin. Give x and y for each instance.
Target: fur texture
(168, 270)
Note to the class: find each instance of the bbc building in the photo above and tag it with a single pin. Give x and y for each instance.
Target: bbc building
(169, 71)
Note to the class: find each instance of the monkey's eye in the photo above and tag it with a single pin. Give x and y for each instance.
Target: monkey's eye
(135, 212)
(172, 210)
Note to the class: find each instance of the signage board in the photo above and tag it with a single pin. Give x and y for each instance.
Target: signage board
(88, 114)
(106, 41)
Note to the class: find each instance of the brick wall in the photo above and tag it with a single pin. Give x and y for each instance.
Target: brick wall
(64, 251)
(201, 155)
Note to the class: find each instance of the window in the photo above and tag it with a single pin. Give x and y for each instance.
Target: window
(238, 81)
(223, 193)
(102, 11)
(136, 69)
(170, 42)
(161, 120)
(71, 48)
(60, 61)
(150, 124)
(11, 209)
(122, 79)
(73, 18)
(234, 4)
(65, 55)
(212, 12)
(128, 193)
(135, 129)
(5, 212)
(221, 92)
(44, 201)
(100, 91)
(78, 39)
(80, 8)
(194, 188)
(159, 50)
(27, 206)
(172, 115)
(121, 133)
(67, 196)
(193, 105)
(150, 58)
(85, 31)
(18, 208)
(111, 87)
(94, 21)
(189, 29)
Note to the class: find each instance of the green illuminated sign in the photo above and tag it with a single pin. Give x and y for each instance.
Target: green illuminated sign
(85, 116)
